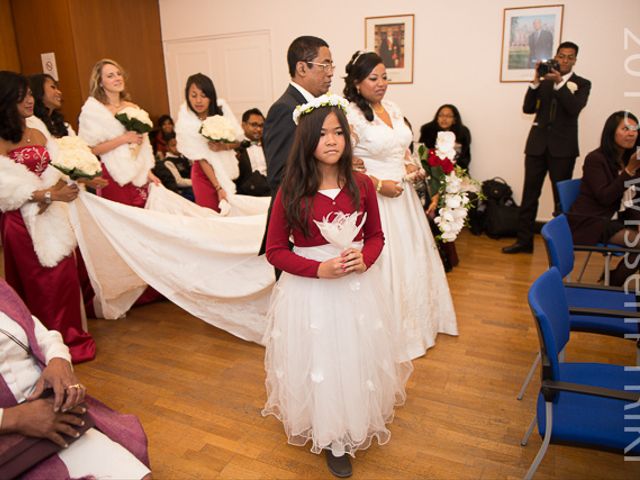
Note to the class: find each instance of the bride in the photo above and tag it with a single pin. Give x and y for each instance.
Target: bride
(410, 262)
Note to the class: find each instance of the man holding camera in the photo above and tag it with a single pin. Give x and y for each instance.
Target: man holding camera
(556, 96)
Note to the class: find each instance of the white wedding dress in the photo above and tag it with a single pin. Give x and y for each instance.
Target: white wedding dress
(410, 263)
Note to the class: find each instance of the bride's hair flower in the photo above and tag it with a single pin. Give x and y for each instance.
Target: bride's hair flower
(326, 100)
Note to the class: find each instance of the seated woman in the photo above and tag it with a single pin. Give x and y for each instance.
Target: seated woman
(159, 139)
(448, 118)
(603, 192)
(34, 362)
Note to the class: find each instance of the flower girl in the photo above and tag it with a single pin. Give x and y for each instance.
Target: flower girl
(333, 377)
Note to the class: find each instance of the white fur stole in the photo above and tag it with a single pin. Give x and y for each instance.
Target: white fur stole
(195, 147)
(51, 233)
(97, 125)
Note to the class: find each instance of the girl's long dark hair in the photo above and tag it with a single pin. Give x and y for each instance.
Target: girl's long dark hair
(358, 68)
(54, 121)
(205, 84)
(608, 139)
(13, 89)
(302, 176)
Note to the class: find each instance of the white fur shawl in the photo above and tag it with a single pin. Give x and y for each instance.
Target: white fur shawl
(194, 146)
(97, 125)
(51, 233)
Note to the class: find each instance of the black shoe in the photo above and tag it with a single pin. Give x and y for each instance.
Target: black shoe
(338, 466)
(518, 248)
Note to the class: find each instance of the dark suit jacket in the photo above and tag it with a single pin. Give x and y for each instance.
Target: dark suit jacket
(600, 194)
(556, 123)
(278, 134)
(249, 182)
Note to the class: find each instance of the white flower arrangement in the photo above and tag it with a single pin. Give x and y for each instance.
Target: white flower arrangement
(573, 88)
(75, 159)
(445, 145)
(455, 204)
(218, 129)
(326, 100)
(135, 119)
(342, 229)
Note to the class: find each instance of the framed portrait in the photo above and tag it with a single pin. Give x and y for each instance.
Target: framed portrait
(391, 37)
(529, 35)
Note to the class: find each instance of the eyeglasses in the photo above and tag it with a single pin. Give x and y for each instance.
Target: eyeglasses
(326, 67)
(256, 125)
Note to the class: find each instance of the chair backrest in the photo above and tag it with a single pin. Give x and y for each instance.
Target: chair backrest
(568, 191)
(559, 243)
(549, 307)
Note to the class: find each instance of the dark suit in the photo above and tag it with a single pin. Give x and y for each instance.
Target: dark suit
(277, 139)
(249, 181)
(552, 145)
(540, 46)
(279, 131)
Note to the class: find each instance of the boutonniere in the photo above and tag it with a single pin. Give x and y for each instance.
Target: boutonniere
(572, 87)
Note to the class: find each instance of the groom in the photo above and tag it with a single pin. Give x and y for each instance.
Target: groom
(311, 69)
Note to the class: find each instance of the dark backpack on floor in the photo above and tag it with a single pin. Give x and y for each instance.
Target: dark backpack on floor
(501, 211)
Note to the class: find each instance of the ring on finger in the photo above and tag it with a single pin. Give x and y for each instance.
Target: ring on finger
(76, 385)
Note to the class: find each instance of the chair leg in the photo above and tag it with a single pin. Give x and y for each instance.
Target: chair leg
(529, 431)
(545, 443)
(527, 380)
(607, 269)
(584, 267)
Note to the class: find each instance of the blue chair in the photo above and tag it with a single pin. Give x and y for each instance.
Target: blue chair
(568, 191)
(593, 308)
(582, 404)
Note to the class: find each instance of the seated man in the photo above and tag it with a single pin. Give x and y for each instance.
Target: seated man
(174, 169)
(253, 167)
(40, 397)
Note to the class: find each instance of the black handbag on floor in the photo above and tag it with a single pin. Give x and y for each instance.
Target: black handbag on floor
(501, 212)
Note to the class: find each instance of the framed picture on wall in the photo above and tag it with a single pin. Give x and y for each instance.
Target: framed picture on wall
(391, 37)
(529, 35)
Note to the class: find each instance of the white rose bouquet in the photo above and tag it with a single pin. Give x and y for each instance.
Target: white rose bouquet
(136, 120)
(218, 129)
(75, 159)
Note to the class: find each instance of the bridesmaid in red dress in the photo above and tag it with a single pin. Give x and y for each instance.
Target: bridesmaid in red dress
(126, 156)
(37, 238)
(203, 101)
(126, 167)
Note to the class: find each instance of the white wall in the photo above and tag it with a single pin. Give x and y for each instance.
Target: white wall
(457, 60)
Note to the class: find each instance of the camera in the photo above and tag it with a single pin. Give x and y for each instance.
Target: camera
(546, 66)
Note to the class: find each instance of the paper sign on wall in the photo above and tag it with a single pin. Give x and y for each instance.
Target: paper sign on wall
(49, 64)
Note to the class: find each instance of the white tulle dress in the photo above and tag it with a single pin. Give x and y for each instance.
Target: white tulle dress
(332, 374)
(410, 263)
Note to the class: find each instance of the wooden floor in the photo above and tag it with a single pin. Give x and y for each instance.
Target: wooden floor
(198, 390)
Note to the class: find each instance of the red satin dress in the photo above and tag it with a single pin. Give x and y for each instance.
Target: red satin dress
(52, 294)
(203, 191)
(128, 194)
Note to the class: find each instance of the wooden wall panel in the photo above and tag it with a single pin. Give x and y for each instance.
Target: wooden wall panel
(43, 26)
(129, 33)
(9, 59)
